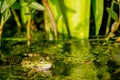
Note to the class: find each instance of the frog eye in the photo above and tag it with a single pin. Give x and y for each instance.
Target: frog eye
(41, 60)
(35, 66)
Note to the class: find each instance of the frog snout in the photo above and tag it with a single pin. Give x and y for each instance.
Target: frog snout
(43, 68)
(46, 67)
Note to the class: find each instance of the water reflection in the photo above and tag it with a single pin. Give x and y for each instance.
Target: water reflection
(75, 63)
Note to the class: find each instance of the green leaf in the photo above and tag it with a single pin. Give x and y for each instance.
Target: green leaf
(6, 14)
(0, 3)
(98, 7)
(0, 16)
(6, 4)
(0, 7)
(113, 14)
(79, 19)
(37, 6)
(16, 5)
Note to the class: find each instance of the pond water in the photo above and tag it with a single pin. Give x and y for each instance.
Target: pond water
(60, 60)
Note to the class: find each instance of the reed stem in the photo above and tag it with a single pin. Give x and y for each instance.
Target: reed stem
(53, 22)
(109, 20)
(28, 26)
(16, 19)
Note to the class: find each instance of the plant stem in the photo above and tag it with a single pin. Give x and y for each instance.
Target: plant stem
(47, 23)
(16, 19)
(109, 20)
(2, 24)
(119, 12)
(14, 39)
(28, 26)
(0, 36)
(53, 22)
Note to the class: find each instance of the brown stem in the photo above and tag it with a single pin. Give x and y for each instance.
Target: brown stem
(45, 2)
(119, 12)
(0, 35)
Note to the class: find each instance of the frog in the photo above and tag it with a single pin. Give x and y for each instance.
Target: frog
(36, 63)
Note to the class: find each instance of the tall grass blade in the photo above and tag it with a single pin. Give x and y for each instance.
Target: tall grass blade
(98, 7)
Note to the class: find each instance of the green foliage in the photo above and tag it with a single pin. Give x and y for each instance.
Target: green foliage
(78, 19)
(16, 5)
(116, 23)
(36, 5)
(6, 4)
(57, 7)
(75, 20)
(5, 12)
(113, 14)
(73, 17)
(0, 5)
(97, 6)
(25, 9)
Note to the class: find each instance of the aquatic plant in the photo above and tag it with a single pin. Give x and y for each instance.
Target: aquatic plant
(71, 17)
(116, 22)
(26, 15)
(8, 6)
(4, 13)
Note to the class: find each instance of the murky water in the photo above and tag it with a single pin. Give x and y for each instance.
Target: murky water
(61, 60)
